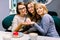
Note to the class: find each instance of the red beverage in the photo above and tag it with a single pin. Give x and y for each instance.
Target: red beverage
(15, 34)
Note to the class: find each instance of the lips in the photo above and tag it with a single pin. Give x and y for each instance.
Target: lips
(31, 11)
(23, 11)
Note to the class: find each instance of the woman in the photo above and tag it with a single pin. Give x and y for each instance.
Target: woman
(20, 20)
(31, 10)
(31, 15)
(46, 26)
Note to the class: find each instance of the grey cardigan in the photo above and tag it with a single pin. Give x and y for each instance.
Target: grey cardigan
(46, 27)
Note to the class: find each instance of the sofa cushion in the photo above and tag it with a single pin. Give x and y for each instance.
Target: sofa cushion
(52, 13)
(7, 21)
(57, 23)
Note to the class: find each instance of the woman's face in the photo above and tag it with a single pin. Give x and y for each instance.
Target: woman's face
(31, 7)
(22, 9)
(39, 9)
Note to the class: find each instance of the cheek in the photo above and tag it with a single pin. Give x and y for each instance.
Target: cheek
(19, 11)
(31, 9)
(38, 11)
(25, 10)
(28, 9)
(42, 11)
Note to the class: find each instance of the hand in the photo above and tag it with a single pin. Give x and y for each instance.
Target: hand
(32, 22)
(25, 32)
(28, 20)
(25, 23)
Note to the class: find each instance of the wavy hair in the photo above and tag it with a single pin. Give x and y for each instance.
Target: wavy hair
(19, 3)
(43, 6)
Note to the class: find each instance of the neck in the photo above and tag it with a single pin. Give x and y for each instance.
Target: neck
(33, 13)
(22, 15)
(42, 15)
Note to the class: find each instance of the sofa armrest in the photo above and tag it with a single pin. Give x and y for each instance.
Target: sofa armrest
(7, 21)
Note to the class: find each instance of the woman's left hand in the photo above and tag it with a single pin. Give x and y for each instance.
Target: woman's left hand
(25, 32)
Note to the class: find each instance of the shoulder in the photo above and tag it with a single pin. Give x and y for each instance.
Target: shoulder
(16, 16)
(47, 16)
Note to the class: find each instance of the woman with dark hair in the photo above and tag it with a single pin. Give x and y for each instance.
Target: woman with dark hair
(20, 20)
(31, 14)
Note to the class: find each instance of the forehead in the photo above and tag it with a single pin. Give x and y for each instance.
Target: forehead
(21, 6)
(30, 4)
(38, 5)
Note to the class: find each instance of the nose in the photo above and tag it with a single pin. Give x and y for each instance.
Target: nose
(30, 9)
(23, 10)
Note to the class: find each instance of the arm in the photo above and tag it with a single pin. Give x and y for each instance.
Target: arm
(43, 25)
(18, 28)
(15, 25)
(48, 27)
(32, 29)
(39, 28)
(52, 29)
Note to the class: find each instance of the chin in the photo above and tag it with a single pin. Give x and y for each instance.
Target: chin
(32, 12)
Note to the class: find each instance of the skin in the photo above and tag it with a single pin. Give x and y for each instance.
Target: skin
(40, 10)
(22, 10)
(31, 8)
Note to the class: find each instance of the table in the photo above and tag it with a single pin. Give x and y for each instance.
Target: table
(24, 37)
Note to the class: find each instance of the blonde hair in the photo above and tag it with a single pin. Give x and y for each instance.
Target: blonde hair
(43, 6)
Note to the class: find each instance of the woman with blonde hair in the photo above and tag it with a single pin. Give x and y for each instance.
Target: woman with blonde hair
(46, 26)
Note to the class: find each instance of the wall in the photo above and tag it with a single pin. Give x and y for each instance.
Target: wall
(4, 11)
(54, 6)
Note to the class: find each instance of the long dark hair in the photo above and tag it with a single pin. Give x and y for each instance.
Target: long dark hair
(19, 3)
(34, 17)
(30, 14)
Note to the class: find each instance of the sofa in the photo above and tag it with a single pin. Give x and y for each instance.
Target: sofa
(7, 21)
(56, 20)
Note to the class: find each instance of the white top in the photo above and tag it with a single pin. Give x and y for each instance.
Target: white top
(17, 19)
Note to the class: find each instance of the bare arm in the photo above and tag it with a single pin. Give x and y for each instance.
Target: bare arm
(18, 27)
